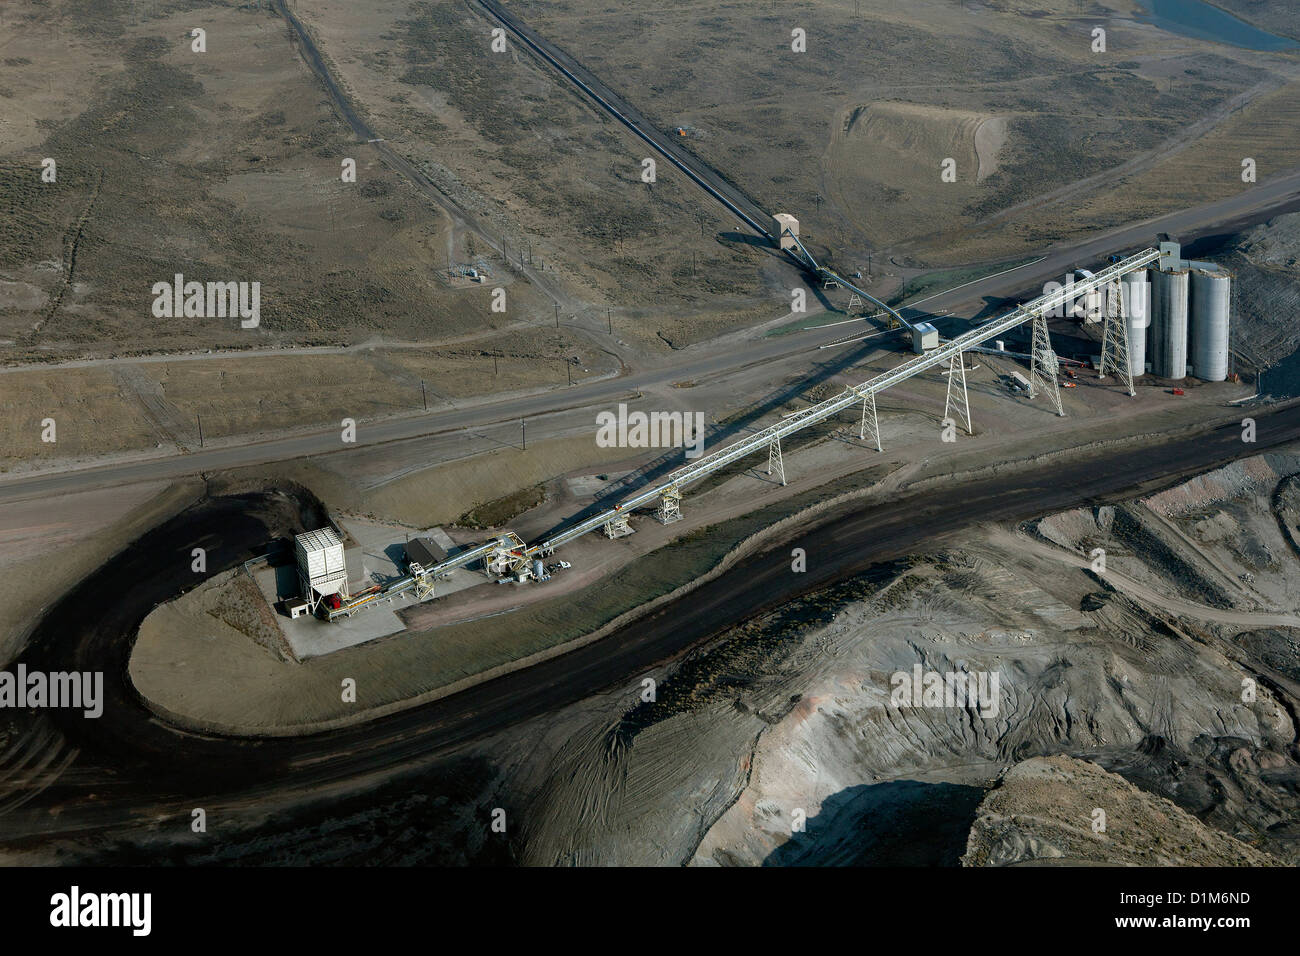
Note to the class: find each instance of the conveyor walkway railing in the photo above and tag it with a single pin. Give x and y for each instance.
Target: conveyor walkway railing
(852, 394)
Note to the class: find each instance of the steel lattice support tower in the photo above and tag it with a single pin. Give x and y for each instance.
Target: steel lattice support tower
(1114, 339)
(855, 302)
(957, 398)
(774, 459)
(852, 394)
(869, 422)
(1043, 365)
(617, 527)
(670, 506)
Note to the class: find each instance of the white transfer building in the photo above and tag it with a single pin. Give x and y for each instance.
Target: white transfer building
(322, 570)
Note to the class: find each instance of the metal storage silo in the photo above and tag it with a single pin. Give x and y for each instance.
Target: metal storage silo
(1209, 330)
(1169, 323)
(1136, 292)
(1153, 323)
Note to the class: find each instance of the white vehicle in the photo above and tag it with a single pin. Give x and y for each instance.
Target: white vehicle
(565, 565)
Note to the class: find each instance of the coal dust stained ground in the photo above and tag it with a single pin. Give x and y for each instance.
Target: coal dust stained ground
(137, 765)
(518, 168)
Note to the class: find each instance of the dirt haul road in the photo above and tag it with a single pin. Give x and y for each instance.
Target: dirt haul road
(139, 768)
(399, 163)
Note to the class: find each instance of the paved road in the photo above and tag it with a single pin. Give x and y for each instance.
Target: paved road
(714, 361)
(691, 365)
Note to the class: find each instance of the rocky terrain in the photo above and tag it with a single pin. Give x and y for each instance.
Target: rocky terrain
(1153, 639)
(1174, 669)
(1264, 260)
(1043, 813)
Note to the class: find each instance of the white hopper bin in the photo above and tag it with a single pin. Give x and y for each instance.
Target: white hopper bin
(322, 570)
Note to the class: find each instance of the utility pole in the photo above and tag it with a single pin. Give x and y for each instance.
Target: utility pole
(494, 365)
(557, 315)
(523, 434)
(610, 319)
(568, 367)
(200, 420)
(423, 397)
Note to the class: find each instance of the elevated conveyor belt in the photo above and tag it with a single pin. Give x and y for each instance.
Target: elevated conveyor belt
(509, 544)
(849, 397)
(819, 270)
(464, 559)
(707, 179)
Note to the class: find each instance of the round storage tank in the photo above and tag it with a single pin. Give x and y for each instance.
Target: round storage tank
(1169, 324)
(1211, 293)
(1136, 291)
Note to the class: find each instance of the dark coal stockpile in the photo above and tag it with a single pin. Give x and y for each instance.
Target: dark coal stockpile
(589, 773)
(93, 627)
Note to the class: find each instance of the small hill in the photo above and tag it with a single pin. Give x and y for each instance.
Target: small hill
(1042, 813)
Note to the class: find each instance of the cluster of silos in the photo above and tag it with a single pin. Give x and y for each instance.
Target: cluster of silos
(1187, 317)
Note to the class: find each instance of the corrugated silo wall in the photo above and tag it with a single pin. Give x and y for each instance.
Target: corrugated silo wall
(1209, 328)
(1137, 312)
(1169, 321)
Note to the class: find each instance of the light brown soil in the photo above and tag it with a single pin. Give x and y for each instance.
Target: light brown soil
(1042, 814)
(118, 407)
(48, 545)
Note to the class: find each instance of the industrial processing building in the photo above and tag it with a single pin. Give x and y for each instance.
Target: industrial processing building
(423, 553)
(1188, 318)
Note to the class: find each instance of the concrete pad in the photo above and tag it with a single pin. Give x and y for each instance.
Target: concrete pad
(309, 636)
(312, 637)
(383, 552)
(443, 540)
(458, 580)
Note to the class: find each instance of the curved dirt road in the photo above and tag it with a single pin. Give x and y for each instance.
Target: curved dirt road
(140, 768)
